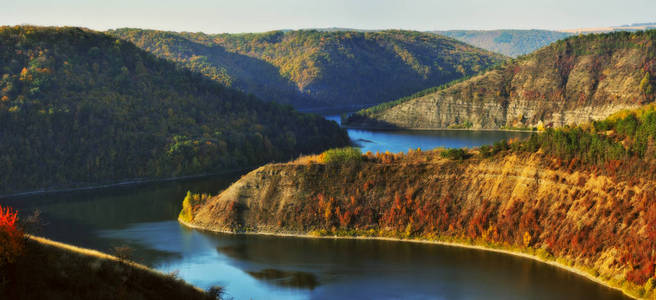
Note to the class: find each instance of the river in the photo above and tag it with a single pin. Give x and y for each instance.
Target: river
(265, 267)
(401, 140)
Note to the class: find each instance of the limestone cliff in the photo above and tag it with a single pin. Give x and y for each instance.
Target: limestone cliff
(576, 80)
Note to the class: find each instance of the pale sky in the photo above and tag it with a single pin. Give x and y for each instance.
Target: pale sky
(216, 16)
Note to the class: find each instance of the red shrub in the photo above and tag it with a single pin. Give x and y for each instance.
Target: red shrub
(11, 237)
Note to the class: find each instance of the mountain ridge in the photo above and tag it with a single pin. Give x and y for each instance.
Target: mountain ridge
(317, 68)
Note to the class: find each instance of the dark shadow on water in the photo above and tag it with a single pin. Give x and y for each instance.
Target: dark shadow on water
(237, 251)
(295, 279)
(364, 141)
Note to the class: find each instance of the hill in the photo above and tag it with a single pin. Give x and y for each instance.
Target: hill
(583, 198)
(52, 270)
(310, 68)
(574, 80)
(80, 108)
(510, 42)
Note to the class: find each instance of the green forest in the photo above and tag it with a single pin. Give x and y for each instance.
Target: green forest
(310, 68)
(78, 108)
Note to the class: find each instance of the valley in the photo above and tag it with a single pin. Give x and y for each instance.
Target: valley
(327, 163)
(144, 217)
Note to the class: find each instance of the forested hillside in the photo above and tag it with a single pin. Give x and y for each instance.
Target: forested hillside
(510, 42)
(310, 68)
(582, 197)
(575, 80)
(79, 107)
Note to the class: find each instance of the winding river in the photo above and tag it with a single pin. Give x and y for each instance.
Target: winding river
(265, 267)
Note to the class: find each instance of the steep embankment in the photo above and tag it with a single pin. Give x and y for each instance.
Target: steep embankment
(51, 270)
(309, 68)
(583, 198)
(80, 108)
(571, 81)
(509, 42)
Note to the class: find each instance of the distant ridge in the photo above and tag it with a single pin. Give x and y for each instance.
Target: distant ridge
(629, 27)
(331, 67)
(508, 42)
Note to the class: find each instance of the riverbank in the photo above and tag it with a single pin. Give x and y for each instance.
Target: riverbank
(124, 183)
(475, 246)
(46, 269)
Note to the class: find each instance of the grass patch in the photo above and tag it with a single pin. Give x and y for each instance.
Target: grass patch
(342, 155)
(455, 154)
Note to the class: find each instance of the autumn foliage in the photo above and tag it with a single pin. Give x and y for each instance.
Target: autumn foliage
(11, 237)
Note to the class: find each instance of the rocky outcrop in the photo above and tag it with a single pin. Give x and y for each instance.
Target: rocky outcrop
(572, 81)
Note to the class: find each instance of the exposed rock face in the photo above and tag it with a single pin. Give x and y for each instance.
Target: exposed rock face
(571, 81)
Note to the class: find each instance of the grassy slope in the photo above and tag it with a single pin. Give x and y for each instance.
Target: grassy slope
(52, 270)
(582, 197)
(310, 68)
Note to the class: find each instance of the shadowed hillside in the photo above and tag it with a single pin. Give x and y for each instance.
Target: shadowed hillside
(80, 108)
(310, 68)
(52, 270)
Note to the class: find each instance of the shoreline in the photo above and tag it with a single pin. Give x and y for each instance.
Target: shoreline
(433, 129)
(554, 263)
(124, 183)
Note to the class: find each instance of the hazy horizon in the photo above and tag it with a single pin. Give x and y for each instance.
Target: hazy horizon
(261, 15)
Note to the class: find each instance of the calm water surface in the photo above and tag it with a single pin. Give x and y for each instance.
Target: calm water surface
(262, 267)
(402, 140)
